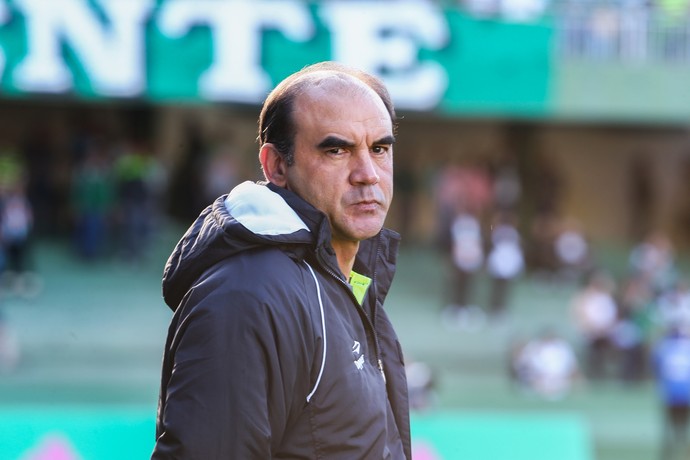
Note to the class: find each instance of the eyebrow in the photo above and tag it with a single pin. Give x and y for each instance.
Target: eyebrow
(386, 140)
(334, 141)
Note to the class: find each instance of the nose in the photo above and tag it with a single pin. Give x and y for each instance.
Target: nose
(363, 170)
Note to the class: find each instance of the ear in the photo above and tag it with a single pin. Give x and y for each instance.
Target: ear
(273, 165)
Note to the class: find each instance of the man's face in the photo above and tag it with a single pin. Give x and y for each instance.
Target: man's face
(344, 158)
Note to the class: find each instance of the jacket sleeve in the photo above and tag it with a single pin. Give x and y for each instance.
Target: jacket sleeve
(225, 392)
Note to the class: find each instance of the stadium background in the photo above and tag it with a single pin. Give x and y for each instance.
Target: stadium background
(593, 96)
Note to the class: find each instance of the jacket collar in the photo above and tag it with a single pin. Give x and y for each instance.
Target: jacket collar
(376, 257)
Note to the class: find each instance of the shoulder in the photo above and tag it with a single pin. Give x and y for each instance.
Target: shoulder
(252, 286)
(260, 271)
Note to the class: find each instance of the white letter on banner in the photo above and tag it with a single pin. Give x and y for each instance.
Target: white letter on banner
(236, 73)
(384, 39)
(112, 54)
(4, 18)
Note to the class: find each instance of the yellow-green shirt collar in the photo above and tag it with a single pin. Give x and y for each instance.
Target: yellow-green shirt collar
(360, 284)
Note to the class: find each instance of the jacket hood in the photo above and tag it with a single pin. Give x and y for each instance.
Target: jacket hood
(251, 215)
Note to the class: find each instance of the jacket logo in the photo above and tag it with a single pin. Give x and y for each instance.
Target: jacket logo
(359, 362)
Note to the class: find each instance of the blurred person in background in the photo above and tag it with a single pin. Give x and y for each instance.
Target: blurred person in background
(279, 346)
(546, 365)
(16, 228)
(672, 372)
(467, 255)
(572, 251)
(673, 306)
(505, 262)
(634, 329)
(93, 202)
(137, 178)
(460, 197)
(653, 259)
(595, 313)
(468, 250)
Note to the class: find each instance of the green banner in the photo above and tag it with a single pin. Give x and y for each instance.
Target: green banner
(432, 59)
(76, 433)
(109, 433)
(491, 436)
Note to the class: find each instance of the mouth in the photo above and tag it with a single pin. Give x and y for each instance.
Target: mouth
(367, 205)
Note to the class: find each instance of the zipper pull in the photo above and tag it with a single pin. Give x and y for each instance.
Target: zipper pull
(381, 369)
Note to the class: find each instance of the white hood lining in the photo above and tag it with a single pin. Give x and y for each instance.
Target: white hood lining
(262, 211)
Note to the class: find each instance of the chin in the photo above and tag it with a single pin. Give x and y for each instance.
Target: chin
(371, 232)
(360, 229)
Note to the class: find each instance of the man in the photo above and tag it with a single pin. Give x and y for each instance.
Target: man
(279, 346)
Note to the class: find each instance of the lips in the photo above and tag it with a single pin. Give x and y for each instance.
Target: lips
(371, 200)
(367, 205)
(376, 199)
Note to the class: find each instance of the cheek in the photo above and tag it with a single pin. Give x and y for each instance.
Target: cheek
(386, 183)
(318, 191)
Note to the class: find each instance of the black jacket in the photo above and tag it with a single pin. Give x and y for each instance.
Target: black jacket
(269, 354)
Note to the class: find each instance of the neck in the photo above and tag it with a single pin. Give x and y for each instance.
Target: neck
(345, 252)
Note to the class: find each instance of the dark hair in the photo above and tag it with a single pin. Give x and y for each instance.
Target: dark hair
(275, 121)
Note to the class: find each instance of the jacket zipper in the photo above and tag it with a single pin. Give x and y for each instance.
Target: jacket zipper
(362, 312)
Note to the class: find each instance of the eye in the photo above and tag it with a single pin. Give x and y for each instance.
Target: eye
(335, 151)
(380, 149)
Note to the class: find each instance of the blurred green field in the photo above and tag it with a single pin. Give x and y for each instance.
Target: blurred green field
(94, 338)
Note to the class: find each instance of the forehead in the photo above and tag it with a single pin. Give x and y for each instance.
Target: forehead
(338, 99)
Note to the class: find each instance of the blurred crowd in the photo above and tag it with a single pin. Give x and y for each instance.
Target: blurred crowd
(114, 192)
(482, 231)
(629, 325)
(121, 191)
(101, 194)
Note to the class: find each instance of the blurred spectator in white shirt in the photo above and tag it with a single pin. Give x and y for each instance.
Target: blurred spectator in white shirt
(596, 313)
(548, 366)
(505, 262)
(653, 260)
